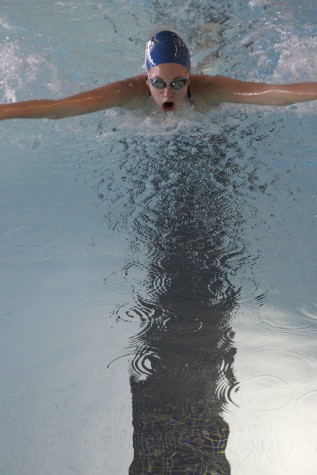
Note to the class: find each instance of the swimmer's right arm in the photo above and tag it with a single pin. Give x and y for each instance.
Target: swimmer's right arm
(116, 94)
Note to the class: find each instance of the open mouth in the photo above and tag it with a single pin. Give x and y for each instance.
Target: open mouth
(168, 106)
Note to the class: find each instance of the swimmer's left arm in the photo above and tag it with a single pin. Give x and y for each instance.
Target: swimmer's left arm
(218, 89)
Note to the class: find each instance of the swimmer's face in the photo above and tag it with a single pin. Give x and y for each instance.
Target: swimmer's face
(169, 98)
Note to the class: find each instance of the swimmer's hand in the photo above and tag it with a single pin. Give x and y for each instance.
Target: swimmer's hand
(116, 94)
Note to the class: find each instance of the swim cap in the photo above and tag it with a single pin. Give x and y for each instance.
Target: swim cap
(166, 47)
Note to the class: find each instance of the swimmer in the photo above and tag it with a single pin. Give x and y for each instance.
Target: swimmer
(168, 83)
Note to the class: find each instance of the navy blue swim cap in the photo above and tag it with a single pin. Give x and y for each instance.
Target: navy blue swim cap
(166, 47)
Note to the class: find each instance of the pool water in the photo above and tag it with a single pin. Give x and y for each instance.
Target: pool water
(158, 274)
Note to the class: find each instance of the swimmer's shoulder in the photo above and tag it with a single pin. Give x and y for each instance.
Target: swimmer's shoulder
(135, 90)
(138, 85)
(206, 90)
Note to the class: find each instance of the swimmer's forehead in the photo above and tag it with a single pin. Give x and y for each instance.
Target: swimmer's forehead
(169, 71)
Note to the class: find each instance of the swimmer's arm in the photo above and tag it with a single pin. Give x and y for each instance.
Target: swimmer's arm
(218, 89)
(116, 94)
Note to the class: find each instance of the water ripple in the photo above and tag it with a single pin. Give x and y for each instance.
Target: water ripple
(309, 315)
(267, 393)
(132, 275)
(272, 320)
(141, 313)
(225, 390)
(143, 363)
(306, 404)
(98, 368)
(183, 324)
(278, 375)
(158, 279)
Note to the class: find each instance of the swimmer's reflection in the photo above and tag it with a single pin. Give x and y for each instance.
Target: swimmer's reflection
(182, 370)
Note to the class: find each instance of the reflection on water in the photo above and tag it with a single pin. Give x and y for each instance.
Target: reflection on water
(189, 226)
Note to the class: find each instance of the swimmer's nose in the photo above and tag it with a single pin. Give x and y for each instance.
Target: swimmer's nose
(168, 92)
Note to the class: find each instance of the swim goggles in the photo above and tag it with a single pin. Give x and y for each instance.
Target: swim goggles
(160, 84)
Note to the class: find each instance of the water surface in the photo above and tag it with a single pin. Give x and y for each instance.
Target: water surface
(158, 274)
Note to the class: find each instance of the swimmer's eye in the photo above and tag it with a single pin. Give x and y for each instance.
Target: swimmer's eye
(179, 83)
(157, 83)
(176, 84)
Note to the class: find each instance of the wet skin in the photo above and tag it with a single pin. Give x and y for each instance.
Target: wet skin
(169, 99)
(207, 92)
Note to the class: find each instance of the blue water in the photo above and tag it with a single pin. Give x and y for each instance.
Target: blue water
(158, 274)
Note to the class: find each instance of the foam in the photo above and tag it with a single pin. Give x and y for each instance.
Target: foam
(24, 72)
(297, 58)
